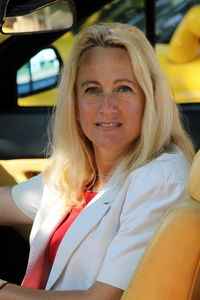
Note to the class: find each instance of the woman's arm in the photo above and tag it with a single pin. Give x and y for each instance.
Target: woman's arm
(98, 291)
(10, 214)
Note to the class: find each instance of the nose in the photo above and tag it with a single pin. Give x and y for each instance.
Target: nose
(108, 103)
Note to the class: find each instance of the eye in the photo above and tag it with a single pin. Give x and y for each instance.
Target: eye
(92, 90)
(124, 89)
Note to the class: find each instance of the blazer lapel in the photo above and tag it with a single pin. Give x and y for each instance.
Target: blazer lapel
(77, 232)
(41, 239)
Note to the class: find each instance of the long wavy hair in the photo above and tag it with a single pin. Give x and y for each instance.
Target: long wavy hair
(72, 163)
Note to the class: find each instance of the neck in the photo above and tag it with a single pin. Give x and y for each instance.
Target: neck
(105, 162)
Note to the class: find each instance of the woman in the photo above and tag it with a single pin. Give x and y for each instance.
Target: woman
(120, 159)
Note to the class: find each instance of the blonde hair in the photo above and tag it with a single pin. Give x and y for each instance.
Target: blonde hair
(72, 160)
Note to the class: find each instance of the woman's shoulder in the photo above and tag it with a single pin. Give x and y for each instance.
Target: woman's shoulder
(35, 183)
(169, 166)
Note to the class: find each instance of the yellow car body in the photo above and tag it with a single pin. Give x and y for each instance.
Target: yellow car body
(183, 78)
(180, 59)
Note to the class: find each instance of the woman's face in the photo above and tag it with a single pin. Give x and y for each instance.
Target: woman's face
(110, 102)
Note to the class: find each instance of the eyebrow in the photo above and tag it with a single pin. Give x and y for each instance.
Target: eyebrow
(89, 82)
(116, 81)
(125, 80)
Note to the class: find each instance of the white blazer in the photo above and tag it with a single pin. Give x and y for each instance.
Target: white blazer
(107, 240)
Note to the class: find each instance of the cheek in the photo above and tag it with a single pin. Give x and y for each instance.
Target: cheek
(85, 110)
(134, 113)
(85, 116)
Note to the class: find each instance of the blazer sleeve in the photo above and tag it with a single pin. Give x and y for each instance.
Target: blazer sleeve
(152, 190)
(28, 194)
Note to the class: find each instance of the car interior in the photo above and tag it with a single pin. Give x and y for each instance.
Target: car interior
(173, 254)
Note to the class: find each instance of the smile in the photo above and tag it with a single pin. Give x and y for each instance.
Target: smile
(108, 124)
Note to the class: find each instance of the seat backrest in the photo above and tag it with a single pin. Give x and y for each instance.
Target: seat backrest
(170, 267)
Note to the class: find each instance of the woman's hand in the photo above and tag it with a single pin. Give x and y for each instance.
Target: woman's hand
(98, 291)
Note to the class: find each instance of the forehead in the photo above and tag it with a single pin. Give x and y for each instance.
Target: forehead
(102, 62)
(101, 53)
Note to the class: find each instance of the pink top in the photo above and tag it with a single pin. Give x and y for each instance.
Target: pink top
(64, 226)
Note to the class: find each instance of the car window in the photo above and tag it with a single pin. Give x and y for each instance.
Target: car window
(40, 73)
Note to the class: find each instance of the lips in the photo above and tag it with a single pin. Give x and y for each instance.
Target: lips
(108, 125)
